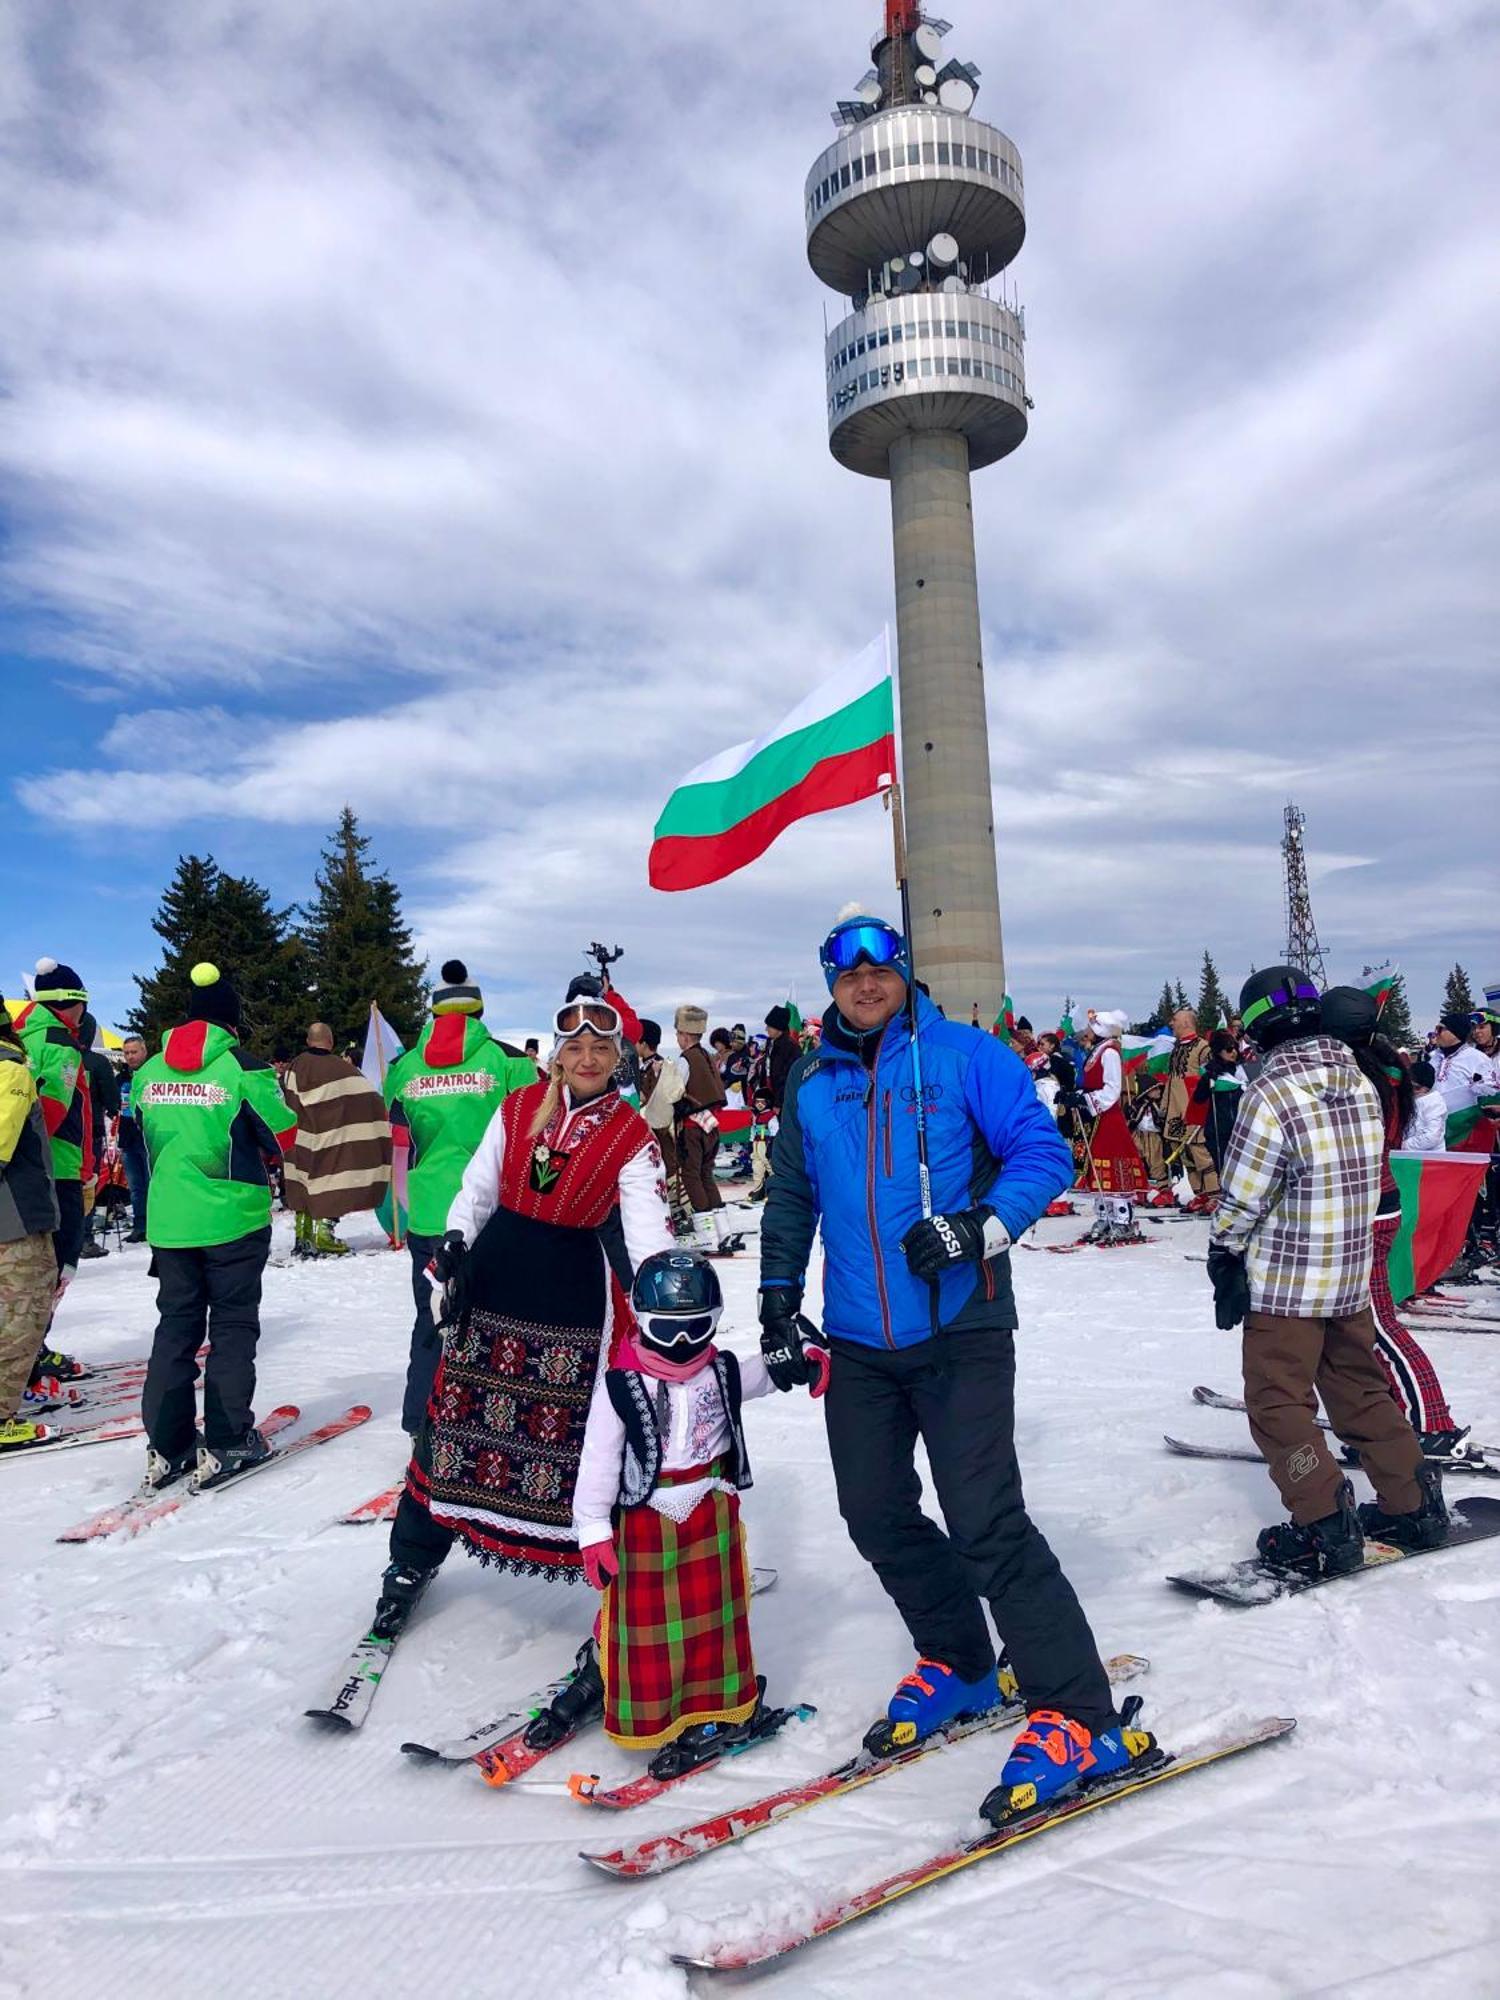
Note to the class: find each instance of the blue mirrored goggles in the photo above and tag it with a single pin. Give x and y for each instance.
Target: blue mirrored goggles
(862, 942)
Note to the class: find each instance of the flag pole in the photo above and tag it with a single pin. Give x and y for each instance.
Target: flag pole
(898, 843)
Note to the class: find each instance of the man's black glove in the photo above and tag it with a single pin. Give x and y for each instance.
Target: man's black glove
(783, 1331)
(1226, 1271)
(450, 1266)
(967, 1236)
(1073, 1100)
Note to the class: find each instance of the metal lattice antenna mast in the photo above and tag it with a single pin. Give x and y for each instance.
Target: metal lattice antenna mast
(1302, 947)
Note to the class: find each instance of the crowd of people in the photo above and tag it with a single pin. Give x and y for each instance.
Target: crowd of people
(570, 1413)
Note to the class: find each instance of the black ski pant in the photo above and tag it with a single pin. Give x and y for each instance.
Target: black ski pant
(957, 1394)
(67, 1238)
(426, 1341)
(212, 1293)
(417, 1541)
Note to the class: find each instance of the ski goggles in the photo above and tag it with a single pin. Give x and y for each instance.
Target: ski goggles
(679, 1330)
(593, 1017)
(1279, 996)
(865, 941)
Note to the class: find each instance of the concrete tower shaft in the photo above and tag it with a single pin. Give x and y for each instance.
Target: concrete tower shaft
(912, 212)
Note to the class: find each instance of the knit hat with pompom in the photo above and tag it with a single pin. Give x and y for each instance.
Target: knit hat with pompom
(213, 998)
(457, 994)
(56, 985)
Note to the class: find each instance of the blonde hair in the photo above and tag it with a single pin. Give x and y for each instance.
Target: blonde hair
(551, 1098)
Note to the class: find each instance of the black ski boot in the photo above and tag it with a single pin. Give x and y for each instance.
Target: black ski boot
(581, 1701)
(1331, 1547)
(1426, 1528)
(219, 1462)
(706, 1742)
(162, 1471)
(401, 1590)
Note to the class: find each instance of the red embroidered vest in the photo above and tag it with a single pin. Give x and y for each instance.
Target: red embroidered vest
(575, 1184)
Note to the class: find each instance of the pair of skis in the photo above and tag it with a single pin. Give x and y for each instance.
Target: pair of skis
(1483, 1463)
(146, 1507)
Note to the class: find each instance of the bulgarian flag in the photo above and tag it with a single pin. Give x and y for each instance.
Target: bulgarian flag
(1146, 1056)
(1469, 1131)
(1005, 1020)
(1438, 1192)
(1382, 986)
(838, 745)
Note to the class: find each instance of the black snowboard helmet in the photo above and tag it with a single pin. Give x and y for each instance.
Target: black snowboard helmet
(1350, 1015)
(1278, 1004)
(677, 1303)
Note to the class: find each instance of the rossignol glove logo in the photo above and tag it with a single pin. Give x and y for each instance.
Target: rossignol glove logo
(170, 1091)
(949, 1237)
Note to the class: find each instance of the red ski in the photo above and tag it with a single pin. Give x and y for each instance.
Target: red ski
(68, 1437)
(640, 1791)
(379, 1507)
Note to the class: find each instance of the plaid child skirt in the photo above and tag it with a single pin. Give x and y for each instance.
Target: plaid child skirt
(675, 1637)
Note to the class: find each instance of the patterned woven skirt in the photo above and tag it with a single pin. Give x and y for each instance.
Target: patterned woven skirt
(497, 1458)
(675, 1638)
(1111, 1163)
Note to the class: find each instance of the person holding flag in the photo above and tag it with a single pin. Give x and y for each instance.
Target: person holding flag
(893, 1134)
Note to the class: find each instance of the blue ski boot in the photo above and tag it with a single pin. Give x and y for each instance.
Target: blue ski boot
(1054, 1756)
(928, 1699)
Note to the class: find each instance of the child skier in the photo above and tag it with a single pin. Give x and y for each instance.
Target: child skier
(656, 1515)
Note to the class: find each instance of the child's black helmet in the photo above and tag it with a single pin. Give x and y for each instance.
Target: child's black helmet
(677, 1303)
(1278, 1004)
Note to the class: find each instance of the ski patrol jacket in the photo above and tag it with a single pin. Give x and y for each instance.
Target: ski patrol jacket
(441, 1096)
(28, 1203)
(846, 1158)
(62, 1086)
(210, 1114)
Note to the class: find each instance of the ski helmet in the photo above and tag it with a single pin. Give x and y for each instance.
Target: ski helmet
(863, 940)
(1278, 1004)
(1350, 1015)
(677, 1303)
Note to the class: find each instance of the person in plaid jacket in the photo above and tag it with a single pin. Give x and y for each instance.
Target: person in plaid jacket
(1289, 1254)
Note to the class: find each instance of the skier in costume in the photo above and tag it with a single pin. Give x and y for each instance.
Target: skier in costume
(656, 1514)
(1114, 1165)
(533, 1312)
(703, 1094)
(28, 1217)
(920, 1318)
(1351, 1016)
(441, 1096)
(1182, 1124)
(210, 1115)
(48, 1030)
(1289, 1254)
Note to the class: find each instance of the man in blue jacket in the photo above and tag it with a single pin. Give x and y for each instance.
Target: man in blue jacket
(920, 1316)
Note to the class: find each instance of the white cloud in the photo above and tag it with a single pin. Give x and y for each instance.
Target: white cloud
(339, 338)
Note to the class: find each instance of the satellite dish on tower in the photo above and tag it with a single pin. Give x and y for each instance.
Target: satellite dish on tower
(867, 90)
(957, 94)
(909, 279)
(942, 251)
(929, 97)
(953, 284)
(925, 75)
(927, 42)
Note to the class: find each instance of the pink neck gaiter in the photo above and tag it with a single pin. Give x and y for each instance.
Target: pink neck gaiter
(645, 1362)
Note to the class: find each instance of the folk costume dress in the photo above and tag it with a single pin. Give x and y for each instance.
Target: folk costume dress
(1117, 1167)
(664, 1463)
(496, 1459)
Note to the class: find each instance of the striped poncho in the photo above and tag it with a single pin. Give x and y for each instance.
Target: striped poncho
(341, 1161)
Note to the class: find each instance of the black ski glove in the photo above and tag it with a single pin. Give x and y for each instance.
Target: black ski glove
(783, 1332)
(967, 1236)
(1073, 1100)
(1226, 1271)
(450, 1266)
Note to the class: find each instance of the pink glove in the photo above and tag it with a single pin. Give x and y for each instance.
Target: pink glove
(821, 1363)
(600, 1564)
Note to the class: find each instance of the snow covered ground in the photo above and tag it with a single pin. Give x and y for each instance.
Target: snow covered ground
(170, 1824)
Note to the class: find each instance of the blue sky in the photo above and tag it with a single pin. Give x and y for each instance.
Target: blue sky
(404, 412)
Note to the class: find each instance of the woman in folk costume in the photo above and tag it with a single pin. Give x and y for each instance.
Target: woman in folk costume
(534, 1308)
(656, 1512)
(1114, 1164)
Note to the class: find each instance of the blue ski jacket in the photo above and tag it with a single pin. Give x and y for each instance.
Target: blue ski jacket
(846, 1158)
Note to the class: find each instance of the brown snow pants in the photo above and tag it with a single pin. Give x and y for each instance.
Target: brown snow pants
(695, 1150)
(1286, 1361)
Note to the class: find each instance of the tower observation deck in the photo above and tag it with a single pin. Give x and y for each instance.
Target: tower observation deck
(912, 213)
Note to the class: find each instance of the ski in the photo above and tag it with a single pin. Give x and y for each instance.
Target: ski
(660, 1852)
(363, 1671)
(640, 1791)
(518, 1715)
(1476, 1468)
(1253, 1582)
(72, 1437)
(143, 1511)
(1069, 1249)
(1214, 1400)
(964, 1854)
(379, 1507)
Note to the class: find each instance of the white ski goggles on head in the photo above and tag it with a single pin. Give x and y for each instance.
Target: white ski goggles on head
(587, 1017)
(668, 1330)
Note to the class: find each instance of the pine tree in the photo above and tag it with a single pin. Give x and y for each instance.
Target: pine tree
(1213, 1006)
(1395, 1015)
(1458, 995)
(358, 948)
(1166, 1006)
(228, 920)
(1181, 999)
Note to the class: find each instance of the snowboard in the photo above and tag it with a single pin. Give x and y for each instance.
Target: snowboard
(1252, 1581)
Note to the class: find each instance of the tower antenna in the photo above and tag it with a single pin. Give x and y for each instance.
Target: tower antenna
(1302, 947)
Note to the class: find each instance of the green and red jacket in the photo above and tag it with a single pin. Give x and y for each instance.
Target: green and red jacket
(62, 1088)
(441, 1096)
(210, 1114)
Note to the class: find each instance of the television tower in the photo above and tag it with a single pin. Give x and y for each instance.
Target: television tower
(912, 212)
(1302, 948)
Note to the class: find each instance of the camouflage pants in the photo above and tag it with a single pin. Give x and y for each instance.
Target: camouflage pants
(28, 1278)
